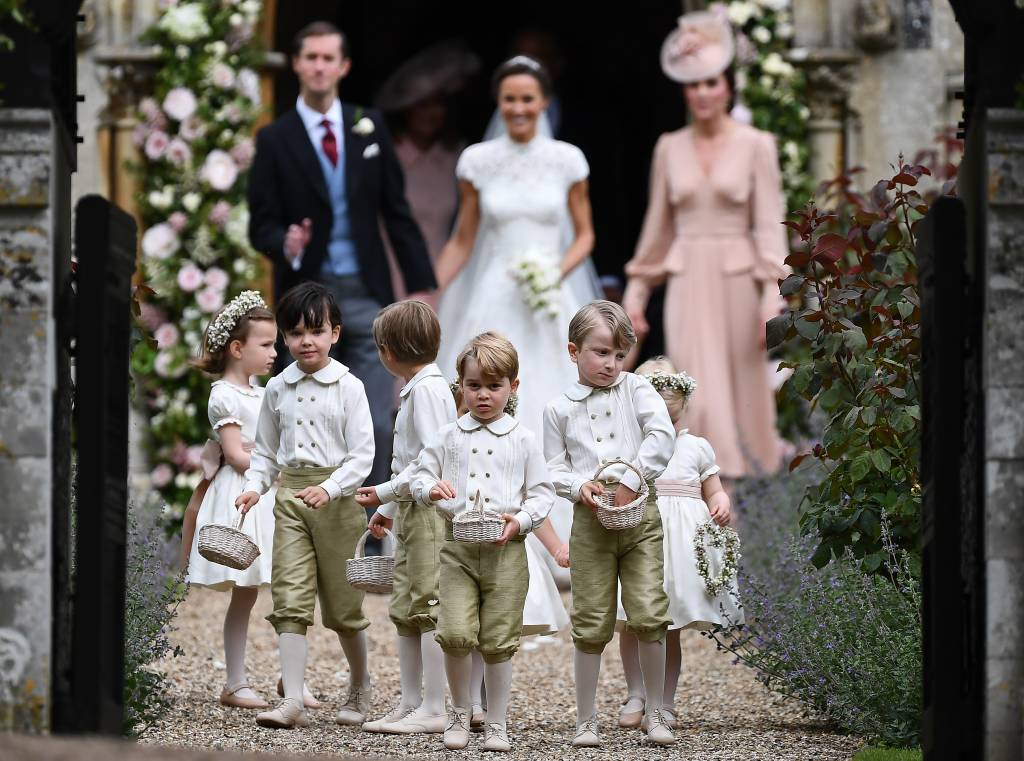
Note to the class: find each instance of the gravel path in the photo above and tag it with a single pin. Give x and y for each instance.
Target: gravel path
(725, 714)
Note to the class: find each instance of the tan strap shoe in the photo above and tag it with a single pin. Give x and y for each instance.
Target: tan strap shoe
(229, 697)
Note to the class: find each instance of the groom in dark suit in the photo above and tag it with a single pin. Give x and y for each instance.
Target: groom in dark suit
(324, 177)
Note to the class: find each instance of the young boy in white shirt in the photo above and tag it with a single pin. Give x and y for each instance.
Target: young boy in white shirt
(610, 414)
(315, 430)
(408, 337)
(485, 458)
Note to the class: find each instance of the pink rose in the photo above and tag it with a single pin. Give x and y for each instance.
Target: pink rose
(178, 152)
(248, 83)
(190, 277)
(148, 108)
(151, 317)
(178, 221)
(166, 335)
(243, 152)
(139, 134)
(219, 170)
(180, 103)
(192, 457)
(222, 76)
(160, 241)
(192, 128)
(219, 213)
(210, 299)
(217, 278)
(166, 366)
(161, 475)
(156, 145)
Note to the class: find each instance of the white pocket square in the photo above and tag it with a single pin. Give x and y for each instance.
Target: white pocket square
(371, 150)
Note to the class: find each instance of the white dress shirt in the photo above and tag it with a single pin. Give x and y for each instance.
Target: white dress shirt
(320, 420)
(501, 460)
(313, 122)
(588, 426)
(427, 406)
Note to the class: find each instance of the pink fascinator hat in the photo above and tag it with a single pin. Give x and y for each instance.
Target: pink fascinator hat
(700, 47)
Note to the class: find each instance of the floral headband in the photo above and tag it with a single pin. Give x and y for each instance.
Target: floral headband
(510, 406)
(220, 329)
(524, 60)
(679, 382)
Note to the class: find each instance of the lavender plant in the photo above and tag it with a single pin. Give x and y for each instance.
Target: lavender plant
(152, 597)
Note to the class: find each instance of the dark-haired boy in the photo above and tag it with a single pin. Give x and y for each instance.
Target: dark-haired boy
(315, 430)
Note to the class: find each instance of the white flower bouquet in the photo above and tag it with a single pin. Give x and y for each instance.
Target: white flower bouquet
(539, 278)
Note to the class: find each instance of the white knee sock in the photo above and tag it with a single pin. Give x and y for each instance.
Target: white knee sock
(631, 668)
(588, 668)
(433, 674)
(652, 664)
(476, 687)
(236, 631)
(673, 666)
(460, 670)
(410, 671)
(293, 664)
(498, 678)
(355, 653)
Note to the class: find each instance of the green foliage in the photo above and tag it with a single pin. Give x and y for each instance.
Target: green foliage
(855, 276)
(887, 754)
(13, 10)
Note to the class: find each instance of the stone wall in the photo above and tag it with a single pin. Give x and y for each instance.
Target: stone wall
(34, 256)
(1004, 446)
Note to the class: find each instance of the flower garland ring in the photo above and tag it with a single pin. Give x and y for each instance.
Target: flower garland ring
(710, 534)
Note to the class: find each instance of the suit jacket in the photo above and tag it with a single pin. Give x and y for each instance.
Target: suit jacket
(286, 184)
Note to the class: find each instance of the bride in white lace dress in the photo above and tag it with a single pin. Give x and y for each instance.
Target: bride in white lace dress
(514, 192)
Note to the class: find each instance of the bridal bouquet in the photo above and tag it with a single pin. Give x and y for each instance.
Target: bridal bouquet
(539, 278)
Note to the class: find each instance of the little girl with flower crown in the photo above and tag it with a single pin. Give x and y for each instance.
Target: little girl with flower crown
(238, 343)
(690, 494)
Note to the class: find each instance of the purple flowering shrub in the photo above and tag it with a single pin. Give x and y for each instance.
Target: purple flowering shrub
(152, 596)
(844, 642)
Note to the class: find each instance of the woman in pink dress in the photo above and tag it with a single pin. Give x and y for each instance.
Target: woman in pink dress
(713, 231)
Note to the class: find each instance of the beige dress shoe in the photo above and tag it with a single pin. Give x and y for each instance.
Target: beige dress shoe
(657, 729)
(586, 734)
(417, 722)
(456, 731)
(229, 697)
(496, 738)
(630, 718)
(311, 702)
(397, 714)
(670, 718)
(288, 715)
(356, 707)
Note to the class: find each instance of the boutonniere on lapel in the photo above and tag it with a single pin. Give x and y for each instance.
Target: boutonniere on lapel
(371, 150)
(363, 124)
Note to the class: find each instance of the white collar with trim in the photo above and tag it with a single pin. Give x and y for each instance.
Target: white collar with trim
(331, 373)
(578, 391)
(501, 426)
(428, 371)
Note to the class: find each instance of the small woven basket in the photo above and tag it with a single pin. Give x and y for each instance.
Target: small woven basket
(627, 516)
(228, 545)
(371, 574)
(478, 526)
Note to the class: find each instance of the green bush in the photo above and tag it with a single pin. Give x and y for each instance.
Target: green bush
(887, 754)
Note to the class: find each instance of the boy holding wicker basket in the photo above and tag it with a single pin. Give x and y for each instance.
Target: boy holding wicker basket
(486, 474)
(606, 440)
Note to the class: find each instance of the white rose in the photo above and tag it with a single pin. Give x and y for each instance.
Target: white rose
(166, 335)
(185, 23)
(239, 266)
(364, 126)
(237, 227)
(182, 52)
(235, 19)
(167, 366)
(250, 8)
(219, 170)
(210, 299)
(805, 112)
(160, 200)
(762, 34)
(190, 277)
(222, 76)
(180, 103)
(218, 49)
(248, 83)
(217, 278)
(160, 241)
(191, 201)
(785, 31)
(740, 13)
(774, 64)
(766, 82)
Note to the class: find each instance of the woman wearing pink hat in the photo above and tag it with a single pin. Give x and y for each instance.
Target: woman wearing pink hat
(713, 231)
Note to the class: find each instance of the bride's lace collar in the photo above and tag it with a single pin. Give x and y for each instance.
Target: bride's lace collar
(515, 145)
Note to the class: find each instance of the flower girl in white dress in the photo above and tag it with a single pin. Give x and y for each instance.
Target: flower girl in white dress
(238, 343)
(690, 494)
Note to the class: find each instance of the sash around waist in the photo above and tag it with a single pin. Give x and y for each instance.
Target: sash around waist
(674, 487)
(300, 478)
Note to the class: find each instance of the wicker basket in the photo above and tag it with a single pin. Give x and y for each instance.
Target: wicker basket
(228, 545)
(478, 526)
(627, 516)
(371, 574)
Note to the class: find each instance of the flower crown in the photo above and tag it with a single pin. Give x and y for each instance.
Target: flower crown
(679, 382)
(220, 329)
